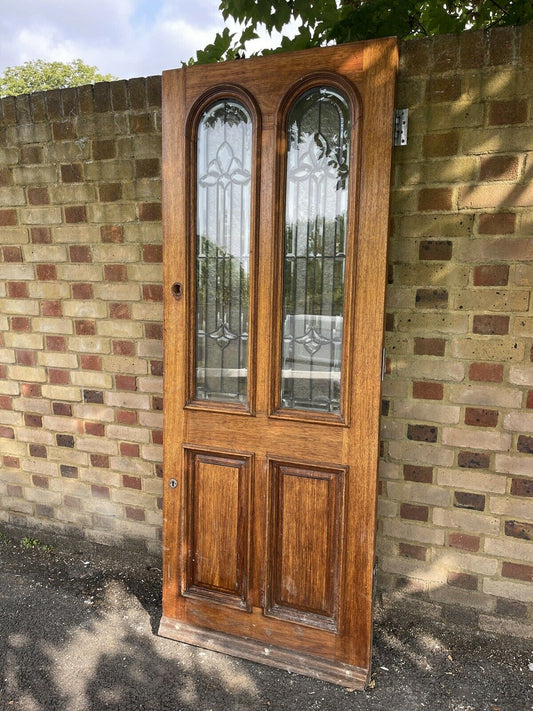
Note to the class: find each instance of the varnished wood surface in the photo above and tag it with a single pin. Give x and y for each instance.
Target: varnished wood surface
(263, 499)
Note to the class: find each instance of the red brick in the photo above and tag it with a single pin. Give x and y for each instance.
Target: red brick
(52, 309)
(429, 346)
(126, 382)
(68, 471)
(435, 199)
(157, 403)
(501, 45)
(46, 272)
(17, 289)
(412, 512)
(141, 123)
(20, 323)
(441, 88)
(491, 325)
(462, 580)
(499, 168)
(55, 343)
(473, 460)
(422, 433)
(93, 396)
(100, 460)
(522, 487)
(126, 417)
(507, 112)
(131, 482)
(147, 168)
(31, 420)
(440, 250)
(486, 372)
(96, 429)
(6, 432)
(72, 173)
(100, 492)
(115, 272)
(511, 608)
(62, 409)
(480, 417)
(152, 292)
(408, 550)
(468, 500)
(128, 449)
(120, 311)
(90, 362)
(428, 391)
(41, 482)
(134, 513)
(80, 253)
(126, 348)
(31, 389)
(25, 357)
(12, 254)
(471, 49)
(517, 571)
(72, 502)
(464, 542)
(82, 291)
(112, 233)
(8, 218)
(85, 327)
(38, 450)
(498, 223)
(156, 367)
(6, 402)
(529, 399)
(41, 235)
(153, 253)
(150, 212)
(519, 529)
(104, 149)
(525, 444)
(31, 155)
(38, 196)
(11, 462)
(157, 436)
(491, 275)
(110, 192)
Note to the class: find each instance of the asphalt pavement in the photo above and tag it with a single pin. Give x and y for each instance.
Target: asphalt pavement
(78, 632)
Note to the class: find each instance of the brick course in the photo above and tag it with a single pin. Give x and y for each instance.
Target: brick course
(81, 322)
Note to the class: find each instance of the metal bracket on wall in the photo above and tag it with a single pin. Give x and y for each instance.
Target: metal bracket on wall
(401, 118)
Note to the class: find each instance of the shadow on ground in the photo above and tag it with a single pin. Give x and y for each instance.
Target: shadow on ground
(77, 634)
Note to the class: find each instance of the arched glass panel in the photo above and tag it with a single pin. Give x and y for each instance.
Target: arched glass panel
(223, 196)
(316, 203)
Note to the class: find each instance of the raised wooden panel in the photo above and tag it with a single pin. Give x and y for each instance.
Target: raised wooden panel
(217, 526)
(306, 523)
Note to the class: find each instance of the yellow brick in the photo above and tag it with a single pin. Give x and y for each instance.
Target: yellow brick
(16, 272)
(96, 445)
(26, 374)
(426, 412)
(488, 348)
(111, 212)
(521, 374)
(119, 329)
(44, 253)
(118, 291)
(49, 290)
(474, 439)
(485, 395)
(509, 548)
(79, 272)
(432, 323)
(150, 384)
(466, 521)
(492, 300)
(408, 491)
(89, 344)
(124, 365)
(57, 360)
(421, 453)
(473, 481)
(84, 309)
(88, 379)
(513, 464)
(76, 234)
(14, 235)
(120, 253)
(152, 452)
(413, 532)
(41, 215)
(61, 392)
(506, 588)
(506, 506)
(128, 434)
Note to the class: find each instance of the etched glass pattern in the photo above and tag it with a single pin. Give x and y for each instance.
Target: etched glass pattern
(223, 194)
(318, 151)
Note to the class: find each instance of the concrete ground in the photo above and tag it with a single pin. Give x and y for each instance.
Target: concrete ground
(78, 633)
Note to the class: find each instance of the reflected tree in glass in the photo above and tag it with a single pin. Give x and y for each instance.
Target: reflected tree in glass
(223, 195)
(316, 202)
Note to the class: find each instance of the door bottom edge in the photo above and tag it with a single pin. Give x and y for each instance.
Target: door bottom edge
(339, 673)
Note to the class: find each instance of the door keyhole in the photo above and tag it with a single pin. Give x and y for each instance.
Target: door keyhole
(177, 290)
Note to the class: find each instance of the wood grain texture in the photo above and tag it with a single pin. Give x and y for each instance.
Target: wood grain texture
(298, 582)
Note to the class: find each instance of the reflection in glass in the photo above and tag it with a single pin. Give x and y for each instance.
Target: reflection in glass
(223, 192)
(318, 149)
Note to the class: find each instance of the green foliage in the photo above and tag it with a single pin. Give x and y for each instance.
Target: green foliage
(321, 22)
(34, 543)
(40, 76)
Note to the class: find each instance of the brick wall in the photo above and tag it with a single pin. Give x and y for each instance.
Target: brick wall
(80, 314)
(456, 511)
(80, 324)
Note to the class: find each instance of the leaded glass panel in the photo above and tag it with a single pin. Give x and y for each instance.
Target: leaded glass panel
(223, 195)
(316, 203)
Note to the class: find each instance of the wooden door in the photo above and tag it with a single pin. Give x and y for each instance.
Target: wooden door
(276, 183)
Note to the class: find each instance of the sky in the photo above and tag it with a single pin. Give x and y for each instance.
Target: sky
(126, 38)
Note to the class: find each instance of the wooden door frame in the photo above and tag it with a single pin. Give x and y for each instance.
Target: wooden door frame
(376, 63)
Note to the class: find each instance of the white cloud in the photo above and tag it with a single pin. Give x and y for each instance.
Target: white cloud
(127, 38)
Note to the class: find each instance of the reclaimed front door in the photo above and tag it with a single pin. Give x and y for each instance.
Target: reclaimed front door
(276, 183)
